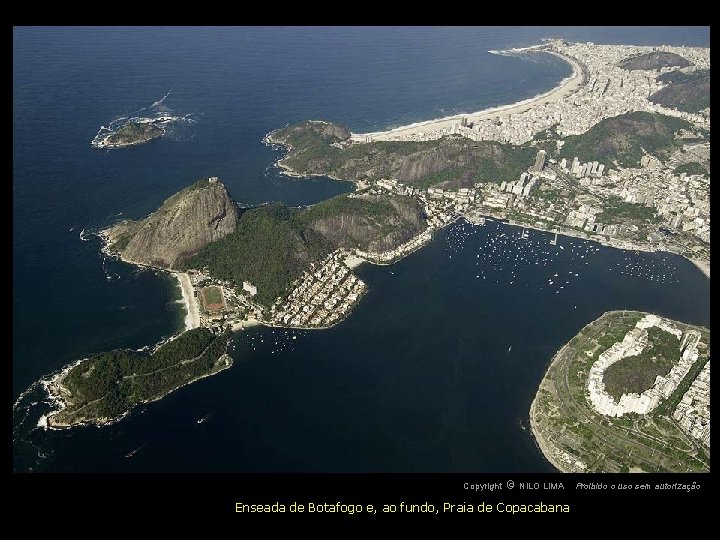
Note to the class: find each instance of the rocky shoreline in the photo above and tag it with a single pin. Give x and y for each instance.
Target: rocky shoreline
(702, 265)
(286, 170)
(58, 394)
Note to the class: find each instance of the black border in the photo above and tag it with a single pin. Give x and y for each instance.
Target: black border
(121, 498)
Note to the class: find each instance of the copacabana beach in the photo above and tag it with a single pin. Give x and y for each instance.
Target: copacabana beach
(566, 87)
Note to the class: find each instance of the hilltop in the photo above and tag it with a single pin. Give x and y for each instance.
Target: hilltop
(452, 162)
(689, 92)
(182, 226)
(273, 244)
(626, 138)
(654, 60)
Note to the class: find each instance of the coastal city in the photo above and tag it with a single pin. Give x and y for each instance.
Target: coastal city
(660, 203)
(569, 195)
(616, 154)
(634, 343)
(681, 203)
(323, 296)
(598, 88)
(605, 404)
(693, 411)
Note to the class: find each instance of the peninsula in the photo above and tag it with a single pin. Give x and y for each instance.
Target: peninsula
(271, 264)
(620, 154)
(630, 392)
(595, 158)
(103, 388)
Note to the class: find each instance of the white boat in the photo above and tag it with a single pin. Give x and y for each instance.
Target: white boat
(131, 454)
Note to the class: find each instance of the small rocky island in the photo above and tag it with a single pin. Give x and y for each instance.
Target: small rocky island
(132, 133)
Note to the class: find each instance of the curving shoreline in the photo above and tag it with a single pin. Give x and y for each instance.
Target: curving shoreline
(625, 245)
(703, 266)
(192, 309)
(613, 445)
(551, 452)
(566, 87)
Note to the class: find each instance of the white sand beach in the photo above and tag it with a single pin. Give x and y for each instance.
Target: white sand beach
(566, 87)
(192, 319)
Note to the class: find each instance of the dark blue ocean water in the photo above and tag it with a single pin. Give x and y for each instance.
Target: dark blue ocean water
(420, 377)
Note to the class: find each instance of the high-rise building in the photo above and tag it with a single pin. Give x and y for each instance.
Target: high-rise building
(540, 160)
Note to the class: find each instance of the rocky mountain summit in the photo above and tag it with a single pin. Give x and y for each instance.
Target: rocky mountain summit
(184, 224)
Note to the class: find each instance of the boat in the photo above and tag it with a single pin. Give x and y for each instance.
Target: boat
(131, 454)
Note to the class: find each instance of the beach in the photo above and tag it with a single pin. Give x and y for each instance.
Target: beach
(566, 87)
(703, 266)
(192, 318)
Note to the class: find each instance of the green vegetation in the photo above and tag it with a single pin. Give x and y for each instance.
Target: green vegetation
(447, 177)
(547, 140)
(134, 132)
(566, 424)
(270, 248)
(635, 374)
(109, 384)
(343, 205)
(626, 138)
(688, 92)
(213, 295)
(121, 243)
(615, 210)
(311, 133)
(690, 168)
(654, 60)
(449, 162)
(681, 76)
(122, 233)
(272, 245)
(374, 223)
(554, 195)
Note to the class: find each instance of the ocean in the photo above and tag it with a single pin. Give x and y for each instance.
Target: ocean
(436, 368)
